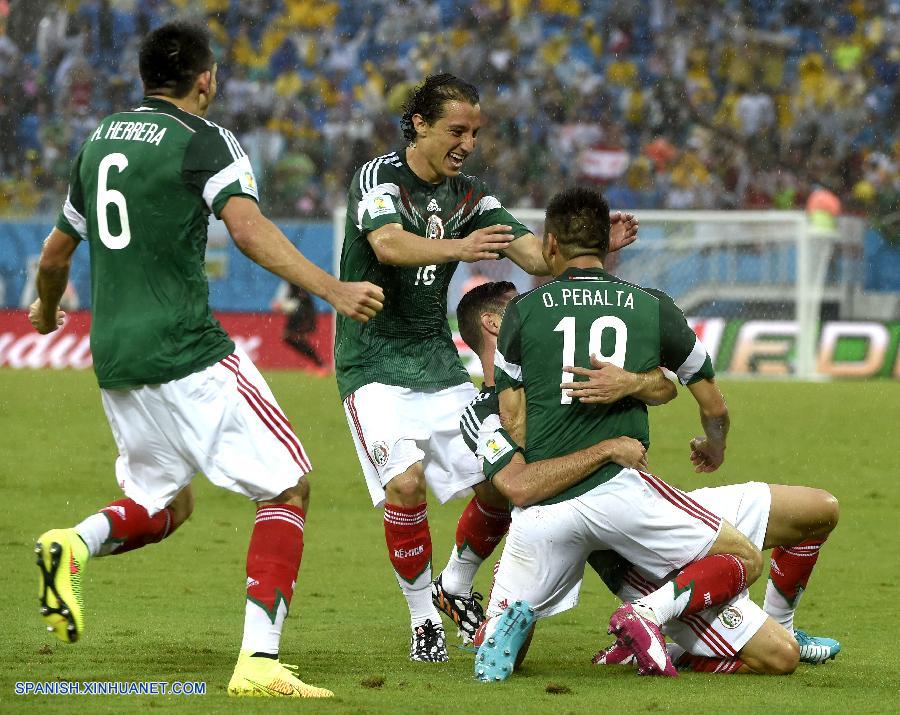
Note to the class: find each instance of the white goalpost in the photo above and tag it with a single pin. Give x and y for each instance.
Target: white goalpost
(770, 265)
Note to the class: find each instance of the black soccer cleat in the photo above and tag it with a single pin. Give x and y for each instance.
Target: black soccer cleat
(428, 644)
(465, 611)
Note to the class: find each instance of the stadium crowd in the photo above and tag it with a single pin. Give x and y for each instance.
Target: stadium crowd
(743, 104)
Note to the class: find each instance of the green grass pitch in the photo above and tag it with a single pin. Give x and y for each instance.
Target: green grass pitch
(173, 612)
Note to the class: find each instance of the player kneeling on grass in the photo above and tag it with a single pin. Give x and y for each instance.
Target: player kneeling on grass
(179, 396)
(820, 512)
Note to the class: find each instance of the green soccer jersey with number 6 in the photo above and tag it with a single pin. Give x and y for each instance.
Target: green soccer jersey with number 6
(140, 193)
(563, 322)
(408, 343)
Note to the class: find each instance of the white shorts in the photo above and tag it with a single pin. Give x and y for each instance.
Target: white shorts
(722, 631)
(395, 427)
(222, 421)
(643, 519)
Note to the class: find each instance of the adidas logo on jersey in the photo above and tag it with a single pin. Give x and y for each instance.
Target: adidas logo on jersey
(433, 206)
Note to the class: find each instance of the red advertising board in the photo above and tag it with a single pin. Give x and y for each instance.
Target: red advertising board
(260, 334)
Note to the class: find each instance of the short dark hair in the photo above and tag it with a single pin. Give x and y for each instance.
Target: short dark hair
(485, 298)
(172, 56)
(579, 218)
(429, 97)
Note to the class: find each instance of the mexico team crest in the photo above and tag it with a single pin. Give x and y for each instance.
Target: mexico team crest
(380, 453)
(731, 617)
(435, 228)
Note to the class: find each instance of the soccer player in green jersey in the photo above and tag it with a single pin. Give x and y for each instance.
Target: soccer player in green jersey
(545, 332)
(179, 396)
(792, 520)
(412, 215)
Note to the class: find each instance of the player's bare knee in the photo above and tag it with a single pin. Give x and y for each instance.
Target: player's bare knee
(297, 496)
(731, 541)
(407, 489)
(829, 510)
(487, 494)
(783, 658)
(753, 563)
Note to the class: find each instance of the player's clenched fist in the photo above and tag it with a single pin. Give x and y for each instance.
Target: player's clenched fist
(485, 244)
(705, 456)
(41, 322)
(359, 301)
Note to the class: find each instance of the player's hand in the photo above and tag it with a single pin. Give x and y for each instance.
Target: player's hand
(359, 301)
(485, 244)
(623, 229)
(605, 383)
(41, 322)
(706, 456)
(627, 452)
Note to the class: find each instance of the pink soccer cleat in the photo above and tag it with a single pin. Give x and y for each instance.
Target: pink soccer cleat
(616, 654)
(644, 638)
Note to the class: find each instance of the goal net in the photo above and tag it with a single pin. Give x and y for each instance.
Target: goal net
(721, 266)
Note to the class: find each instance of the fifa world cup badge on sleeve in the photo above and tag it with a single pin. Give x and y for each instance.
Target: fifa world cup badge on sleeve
(494, 446)
(380, 205)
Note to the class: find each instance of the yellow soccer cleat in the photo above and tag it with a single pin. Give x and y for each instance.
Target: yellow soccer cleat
(269, 678)
(61, 556)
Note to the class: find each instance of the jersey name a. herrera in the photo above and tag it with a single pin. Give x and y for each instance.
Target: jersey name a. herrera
(141, 191)
(409, 342)
(562, 323)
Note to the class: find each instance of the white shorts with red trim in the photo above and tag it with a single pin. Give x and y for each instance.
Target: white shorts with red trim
(644, 519)
(222, 421)
(718, 632)
(395, 427)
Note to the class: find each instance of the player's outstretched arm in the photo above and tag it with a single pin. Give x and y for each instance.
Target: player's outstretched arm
(527, 254)
(606, 383)
(263, 243)
(52, 279)
(396, 247)
(526, 484)
(708, 452)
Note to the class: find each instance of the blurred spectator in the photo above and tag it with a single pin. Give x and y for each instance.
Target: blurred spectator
(743, 104)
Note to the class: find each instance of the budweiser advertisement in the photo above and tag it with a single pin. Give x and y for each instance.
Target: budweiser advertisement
(261, 335)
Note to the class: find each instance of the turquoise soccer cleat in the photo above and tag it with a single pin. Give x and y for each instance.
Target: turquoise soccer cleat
(815, 649)
(496, 656)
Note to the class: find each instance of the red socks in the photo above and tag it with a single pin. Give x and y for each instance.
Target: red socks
(131, 527)
(481, 528)
(408, 539)
(273, 559)
(792, 567)
(711, 581)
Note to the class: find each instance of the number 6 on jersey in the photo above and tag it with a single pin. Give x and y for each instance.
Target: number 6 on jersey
(105, 197)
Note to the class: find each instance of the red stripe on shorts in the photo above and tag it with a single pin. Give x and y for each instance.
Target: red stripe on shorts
(705, 632)
(268, 415)
(281, 420)
(351, 408)
(681, 500)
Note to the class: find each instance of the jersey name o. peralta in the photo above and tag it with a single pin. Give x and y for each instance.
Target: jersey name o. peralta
(409, 342)
(563, 322)
(140, 193)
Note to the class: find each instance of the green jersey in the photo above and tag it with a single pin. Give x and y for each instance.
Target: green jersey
(562, 323)
(140, 193)
(481, 415)
(409, 342)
